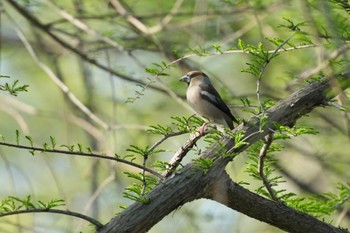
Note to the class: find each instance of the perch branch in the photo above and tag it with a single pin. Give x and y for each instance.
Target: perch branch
(191, 184)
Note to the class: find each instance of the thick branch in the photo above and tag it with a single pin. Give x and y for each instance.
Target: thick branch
(274, 213)
(190, 184)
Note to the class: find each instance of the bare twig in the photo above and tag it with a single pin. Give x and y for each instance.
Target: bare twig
(263, 68)
(82, 26)
(150, 150)
(325, 63)
(17, 117)
(262, 155)
(181, 153)
(165, 137)
(144, 182)
(93, 198)
(135, 22)
(166, 20)
(64, 88)
(234, 51)
(129, 17)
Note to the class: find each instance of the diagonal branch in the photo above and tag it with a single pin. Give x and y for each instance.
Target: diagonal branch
(274, 213)
(82, 26)
(190, 184)
(64, 88)
(181, 153)
(135, 22)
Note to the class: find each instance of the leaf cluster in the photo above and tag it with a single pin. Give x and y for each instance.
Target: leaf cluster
(13, 88)
(261, 57)
(137, 190)
(269, 170)
(11, 204)
(256, 110)
(322, 204)
(203, 164)
(316, 205)
(158, 69)
(182, 125)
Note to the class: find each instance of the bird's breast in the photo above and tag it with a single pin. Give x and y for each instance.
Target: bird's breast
(202, 106)
(193, 95)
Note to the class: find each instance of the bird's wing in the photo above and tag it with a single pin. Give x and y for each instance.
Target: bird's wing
(209, 93)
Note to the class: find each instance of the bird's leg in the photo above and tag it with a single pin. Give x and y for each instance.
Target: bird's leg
(202, 128)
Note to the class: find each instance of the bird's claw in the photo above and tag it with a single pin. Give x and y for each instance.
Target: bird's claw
(202, 128)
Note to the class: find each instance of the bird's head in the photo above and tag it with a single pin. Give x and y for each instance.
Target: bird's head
(195, 77)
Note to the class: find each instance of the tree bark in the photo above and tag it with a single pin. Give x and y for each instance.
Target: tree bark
(190, 183)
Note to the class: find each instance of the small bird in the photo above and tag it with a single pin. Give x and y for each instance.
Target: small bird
(205, 100)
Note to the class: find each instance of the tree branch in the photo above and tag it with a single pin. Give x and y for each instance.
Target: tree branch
(274, 213)
(181, 153)
(80, 153)
(263, 152)
(190, 184)
(56, 211)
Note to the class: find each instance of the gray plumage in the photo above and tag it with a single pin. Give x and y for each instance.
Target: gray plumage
(205, 100)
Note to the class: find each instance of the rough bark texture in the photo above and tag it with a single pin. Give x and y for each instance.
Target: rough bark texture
(190, 184)
(274, 213)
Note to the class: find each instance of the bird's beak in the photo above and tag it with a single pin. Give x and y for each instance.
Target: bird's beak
(185, 79)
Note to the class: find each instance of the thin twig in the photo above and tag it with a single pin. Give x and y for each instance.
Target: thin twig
(64, 88)
(262, 155)
(82, 26)
(94, 197)
(166, 20)
(263, 68)
(181, 153)
(78, 153)
(165, 137)
(325, 63)
(144, 182)
(140, 26)
(135, 22)
(150, 150)
(56, 211)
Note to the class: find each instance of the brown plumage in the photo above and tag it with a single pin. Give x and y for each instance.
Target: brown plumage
(205, 100)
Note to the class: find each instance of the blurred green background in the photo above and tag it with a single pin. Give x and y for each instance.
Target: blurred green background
(149, 33)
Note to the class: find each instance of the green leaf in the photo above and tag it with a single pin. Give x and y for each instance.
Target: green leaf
(70, 148)
(80, 147)
(13, 88)
(241, 44)
(291, 25)
(17, 136)
(88, 149)
(160, 165)
(217, 48)
(200, 51)
(53, 142)
(159, 129)
(203, 164)
(30, 139)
